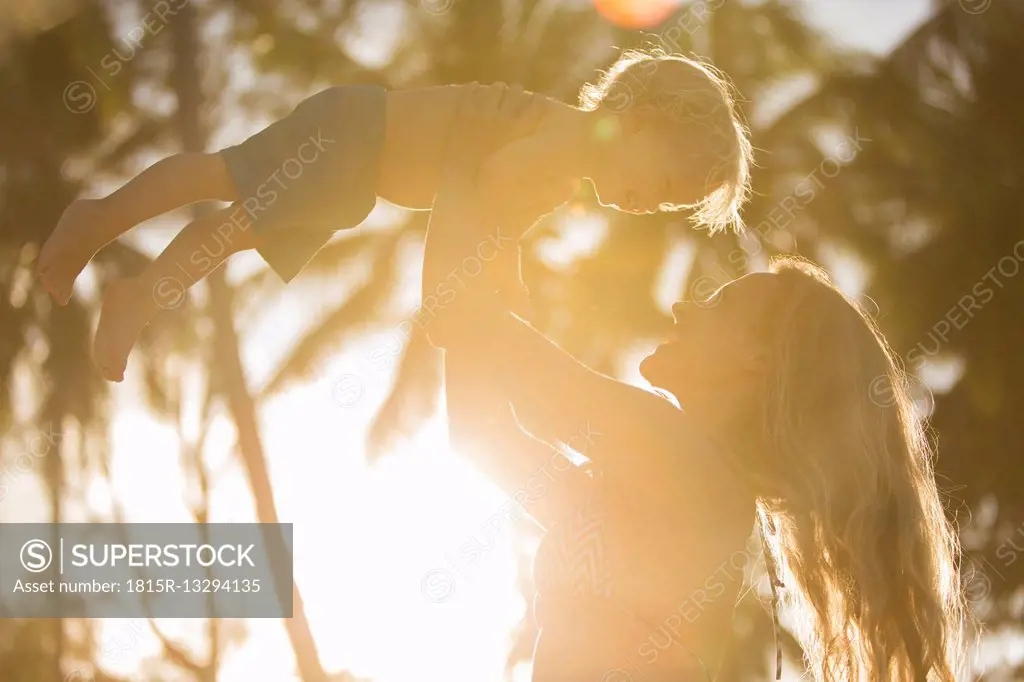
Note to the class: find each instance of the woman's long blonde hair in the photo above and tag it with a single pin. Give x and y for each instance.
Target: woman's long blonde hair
(870, 561)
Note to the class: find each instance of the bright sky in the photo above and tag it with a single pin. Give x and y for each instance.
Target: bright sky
(875, 25)
(365, 537)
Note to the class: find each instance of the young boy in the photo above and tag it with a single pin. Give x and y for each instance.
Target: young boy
(677, 143)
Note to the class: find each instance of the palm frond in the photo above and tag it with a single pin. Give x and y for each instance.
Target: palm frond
(413, 398)
(342, 252)
(359, 311)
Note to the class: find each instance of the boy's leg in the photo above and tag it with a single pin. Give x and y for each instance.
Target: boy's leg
(130, 303)
(88, 225)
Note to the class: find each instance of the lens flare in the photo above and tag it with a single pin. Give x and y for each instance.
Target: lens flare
(635, 13)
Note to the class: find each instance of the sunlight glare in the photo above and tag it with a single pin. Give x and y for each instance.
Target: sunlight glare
(365, 535)
(635, 13)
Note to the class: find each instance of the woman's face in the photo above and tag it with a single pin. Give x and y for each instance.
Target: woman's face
(718, 344)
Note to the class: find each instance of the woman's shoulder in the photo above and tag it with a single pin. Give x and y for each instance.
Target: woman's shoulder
(652, 424)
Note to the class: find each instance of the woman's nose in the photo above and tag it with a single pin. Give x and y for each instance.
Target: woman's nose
(678, 310)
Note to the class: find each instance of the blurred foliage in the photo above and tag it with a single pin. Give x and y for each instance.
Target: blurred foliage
(927, 206)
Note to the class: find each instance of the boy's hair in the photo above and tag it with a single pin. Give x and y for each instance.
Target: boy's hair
(690, 92)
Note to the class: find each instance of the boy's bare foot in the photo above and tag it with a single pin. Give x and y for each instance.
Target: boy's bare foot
(70, 247)
(127, 309)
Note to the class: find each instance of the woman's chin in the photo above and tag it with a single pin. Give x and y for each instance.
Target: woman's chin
(652, 369)
(662, 370)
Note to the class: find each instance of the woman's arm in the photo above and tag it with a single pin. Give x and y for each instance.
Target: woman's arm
(537, 478)
(558, 399)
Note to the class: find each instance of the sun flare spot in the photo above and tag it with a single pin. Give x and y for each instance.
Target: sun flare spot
(635, 13)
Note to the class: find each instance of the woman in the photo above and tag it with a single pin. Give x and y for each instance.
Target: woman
(778, 431)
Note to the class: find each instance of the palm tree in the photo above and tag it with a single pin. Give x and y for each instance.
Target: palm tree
(227, 370)
(44, 367)
(41, 132)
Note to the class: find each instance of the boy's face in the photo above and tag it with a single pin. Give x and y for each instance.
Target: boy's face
(640, 167)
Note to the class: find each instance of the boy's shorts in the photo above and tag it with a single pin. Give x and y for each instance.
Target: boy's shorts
(311, 173)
